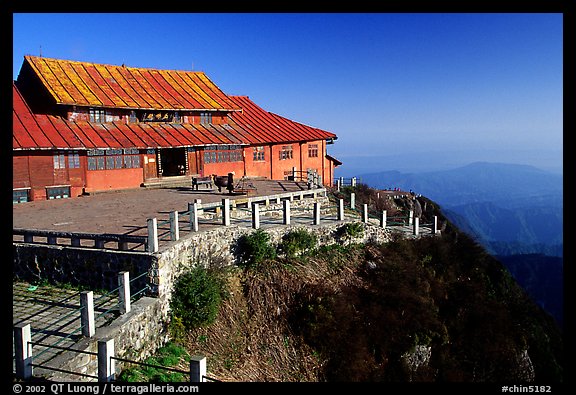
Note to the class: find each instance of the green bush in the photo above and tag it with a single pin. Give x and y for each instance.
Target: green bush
(297, 243)
(351, 230)
(196, 297)
(255, 248)
(168, 356)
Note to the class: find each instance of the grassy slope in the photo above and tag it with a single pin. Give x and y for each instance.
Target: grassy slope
(348, 314)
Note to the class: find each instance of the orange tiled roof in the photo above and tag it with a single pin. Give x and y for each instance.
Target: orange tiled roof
(100, 85)
(258, 126)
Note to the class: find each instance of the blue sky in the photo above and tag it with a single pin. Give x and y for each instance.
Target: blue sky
(443, 89)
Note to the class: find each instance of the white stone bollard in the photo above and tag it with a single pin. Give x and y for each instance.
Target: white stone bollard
(416, 226)
(152, 235)
(365, 213)
(255, 216)
(124, 292)
(383, 219)
(106, 363)
(23, 351)
(87, 313)
(341, 210)
(226, 212)
(316, 213)
(197, 369)
(435, 225)
(174, 227)
(193, 210)
(286, 212)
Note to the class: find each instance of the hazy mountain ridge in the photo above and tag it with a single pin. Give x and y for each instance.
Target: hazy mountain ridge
(473, 183)
(493, 202)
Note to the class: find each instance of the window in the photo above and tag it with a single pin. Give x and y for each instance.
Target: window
(205, 118)
(97, 115)
(73, 160)
(59, 162)
(116, 158)
(286, 152)
(20, 196)
(258, 153)
(312, 150)
(57, 192)
(223, 153)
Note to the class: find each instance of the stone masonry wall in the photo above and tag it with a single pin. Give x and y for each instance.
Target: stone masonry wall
(139, 333)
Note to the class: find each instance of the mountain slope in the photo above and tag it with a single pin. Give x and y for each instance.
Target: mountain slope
(434, 309)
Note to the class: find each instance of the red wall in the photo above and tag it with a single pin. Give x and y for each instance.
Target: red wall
(222, 169)
(106, 180)
(36, 171)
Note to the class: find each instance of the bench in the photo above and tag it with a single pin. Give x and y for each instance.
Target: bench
(197, 181)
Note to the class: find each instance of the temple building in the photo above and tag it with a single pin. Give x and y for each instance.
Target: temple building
(81, 128)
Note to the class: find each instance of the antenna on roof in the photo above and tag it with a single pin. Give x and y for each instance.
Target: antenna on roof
(192, 66)
(40, 50)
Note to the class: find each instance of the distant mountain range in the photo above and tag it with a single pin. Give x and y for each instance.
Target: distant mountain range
(508, 208)
(514, 211)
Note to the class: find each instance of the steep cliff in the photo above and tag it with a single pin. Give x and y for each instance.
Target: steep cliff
(433, 309)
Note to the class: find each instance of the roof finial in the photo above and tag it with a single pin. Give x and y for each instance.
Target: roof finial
(40, 50)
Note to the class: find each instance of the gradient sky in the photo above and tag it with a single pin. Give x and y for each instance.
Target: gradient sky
(486, 86)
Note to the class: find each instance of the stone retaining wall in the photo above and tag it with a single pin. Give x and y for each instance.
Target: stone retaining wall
(139, 333)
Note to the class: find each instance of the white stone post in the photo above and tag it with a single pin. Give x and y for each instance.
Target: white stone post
(411, 217)
(365, 213)
(316, 213)
(124, 292)
(353, 181)
(294, 173)
(383, 219)
(435, 225)
(193, 210)
(226, 212)
(341, 210)
(23, 351)
(106, 363)
(197, 369)
(87, 313)
(199, 201)
(255, 215)
(174, 227)
(353, 201)
(152, 235)
(286, 212)
(416, 226)
(338, 184)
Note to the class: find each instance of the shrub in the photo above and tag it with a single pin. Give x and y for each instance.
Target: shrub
(351, 230)
(297, 243)
(196, 298)
(255, 248)
(168, 356)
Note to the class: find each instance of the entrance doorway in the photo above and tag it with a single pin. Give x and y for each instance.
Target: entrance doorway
(172, 162)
